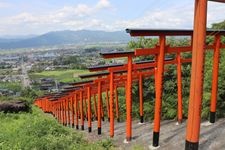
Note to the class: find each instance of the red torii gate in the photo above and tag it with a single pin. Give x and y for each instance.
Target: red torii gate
(129, 67)
(160, 52)
(112, 70)
(174, 51)
(88, 96)
(151, 63)
(198, 54)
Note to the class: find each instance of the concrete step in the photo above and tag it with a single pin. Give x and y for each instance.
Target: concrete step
(172, 136)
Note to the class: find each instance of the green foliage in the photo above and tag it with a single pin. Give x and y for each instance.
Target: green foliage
(40, 131)
(14, 86)
(29, 94)
(220, 25)
(142, 43)
(74, 61)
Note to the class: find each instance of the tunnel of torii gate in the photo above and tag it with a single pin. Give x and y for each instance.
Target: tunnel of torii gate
(74, 103)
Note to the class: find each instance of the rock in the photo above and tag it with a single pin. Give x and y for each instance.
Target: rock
(14, 106)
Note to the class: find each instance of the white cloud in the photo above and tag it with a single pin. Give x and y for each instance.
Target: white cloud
(173, 17)
(85, 24)
(216, 12)
(103, 4)
(23, 17)
(82, 10)
(169, 18)
(83, 16)
(4, 5)
(76, 17)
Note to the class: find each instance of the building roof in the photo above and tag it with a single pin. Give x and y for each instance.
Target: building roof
(103, 67)
(117, 54)
(169, 32)
(221, 1)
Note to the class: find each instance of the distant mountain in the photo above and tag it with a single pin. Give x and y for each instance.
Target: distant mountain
(65, 37)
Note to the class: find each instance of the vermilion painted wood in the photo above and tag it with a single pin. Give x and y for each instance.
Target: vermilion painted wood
(95, 106)
(107, 103)
(111, 108)
(117, 54)
(196, 88)
(159, 86)
(179, 90)
(81, 110)
(117, 104)
(89, 108)
(168, 49)
(141, 97)
(100, 112)
(215, 74)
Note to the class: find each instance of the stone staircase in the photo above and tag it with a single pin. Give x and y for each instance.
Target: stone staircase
(172, 136)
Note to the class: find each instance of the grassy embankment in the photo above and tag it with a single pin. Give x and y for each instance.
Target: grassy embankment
(37, 130)
(41, 131)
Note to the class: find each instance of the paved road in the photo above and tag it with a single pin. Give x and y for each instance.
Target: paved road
(25, 78)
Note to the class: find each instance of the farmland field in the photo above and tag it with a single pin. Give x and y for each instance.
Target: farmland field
(60, 75)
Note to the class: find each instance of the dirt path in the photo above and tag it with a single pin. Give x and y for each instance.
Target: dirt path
(172, 136)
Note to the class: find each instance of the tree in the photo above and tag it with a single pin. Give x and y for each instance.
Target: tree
(220, 25)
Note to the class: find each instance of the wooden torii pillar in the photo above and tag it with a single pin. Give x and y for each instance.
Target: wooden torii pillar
(99, 93)
(118, 79)
(215, 74)
(135, 75)
(141, 65)
(96, 90)
(111, 81)
(196, 90)
(80, 92)
(129, 56)
(105, 67)
(128, 92)
(99, 82)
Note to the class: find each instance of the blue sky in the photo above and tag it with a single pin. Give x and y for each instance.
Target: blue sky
(22, 17)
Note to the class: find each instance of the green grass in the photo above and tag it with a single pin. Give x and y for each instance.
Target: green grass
(14, 86)
(60, 75)
(39, 131)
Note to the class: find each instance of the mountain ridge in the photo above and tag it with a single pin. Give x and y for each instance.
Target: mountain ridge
(65, 37)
